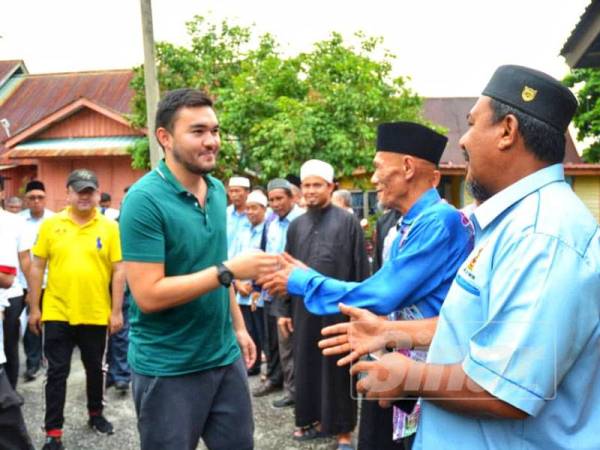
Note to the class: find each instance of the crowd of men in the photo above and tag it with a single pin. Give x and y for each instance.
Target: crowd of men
(474, 329)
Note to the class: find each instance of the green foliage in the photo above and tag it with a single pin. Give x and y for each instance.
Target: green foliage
(587, 117)
(276, 111)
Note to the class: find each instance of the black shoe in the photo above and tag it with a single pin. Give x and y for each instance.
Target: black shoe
(253, 372)
(265, 389)
(53, 443)
(121, 386)
(30, 374)
(283, 402)
(100, 425)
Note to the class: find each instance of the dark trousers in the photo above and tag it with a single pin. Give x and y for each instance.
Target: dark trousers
(271, 347)
(60, 339)
(118, 367)
(12, 326)
(175, 412)
(32, 344)
(255, 325)
(286, 353)
(376, 428)
(13, 433)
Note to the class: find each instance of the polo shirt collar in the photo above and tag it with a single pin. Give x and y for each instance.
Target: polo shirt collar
(165, 173)
(66, 216)
(489, 210)
(429, 198)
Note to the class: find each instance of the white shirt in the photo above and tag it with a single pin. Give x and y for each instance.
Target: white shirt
(32, 226)
(12, 230)
(8, 258)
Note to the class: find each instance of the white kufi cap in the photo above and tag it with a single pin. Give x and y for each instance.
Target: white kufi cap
(316, 168)
(257, 197)
(239, 182)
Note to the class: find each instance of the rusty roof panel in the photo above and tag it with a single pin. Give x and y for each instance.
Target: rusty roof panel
(40, 95)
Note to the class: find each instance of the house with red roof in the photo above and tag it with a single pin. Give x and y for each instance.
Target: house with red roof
(51, 124)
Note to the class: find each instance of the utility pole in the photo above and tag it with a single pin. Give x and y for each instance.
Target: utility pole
(150, 81)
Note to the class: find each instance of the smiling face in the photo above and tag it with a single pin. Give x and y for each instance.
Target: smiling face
(83, 202)
(255, 213)
(389, 180)
(194, 142)
(316, 192)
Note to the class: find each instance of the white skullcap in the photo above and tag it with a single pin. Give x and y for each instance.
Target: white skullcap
(257, 197)
(239, 182)
(316, 168)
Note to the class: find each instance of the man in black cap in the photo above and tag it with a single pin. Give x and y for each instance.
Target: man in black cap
(432, 240)
(514, 359)
(34, 214)
(82, 249)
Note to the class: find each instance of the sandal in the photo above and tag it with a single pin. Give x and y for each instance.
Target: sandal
(308, 433)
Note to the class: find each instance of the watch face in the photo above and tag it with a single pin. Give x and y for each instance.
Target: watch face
(226, 278)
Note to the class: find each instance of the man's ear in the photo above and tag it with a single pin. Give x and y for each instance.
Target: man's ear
(510, 130)
(410, 167)
(163, 136)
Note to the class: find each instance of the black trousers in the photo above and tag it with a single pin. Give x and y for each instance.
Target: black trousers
(376, 428)
(60, 339)
(271, 347)
(255, 326)
(11, 326)
(32, 344)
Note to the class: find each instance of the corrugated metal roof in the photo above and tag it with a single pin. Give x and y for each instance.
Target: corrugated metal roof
(40, 95)
(451, 113)
(7, 68)
(96, 146)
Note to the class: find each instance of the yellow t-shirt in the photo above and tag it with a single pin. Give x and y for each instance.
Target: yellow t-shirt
(79, 260)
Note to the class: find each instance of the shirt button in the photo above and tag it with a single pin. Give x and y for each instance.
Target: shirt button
(196, 203)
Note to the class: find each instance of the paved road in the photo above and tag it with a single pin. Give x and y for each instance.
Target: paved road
(273, 431)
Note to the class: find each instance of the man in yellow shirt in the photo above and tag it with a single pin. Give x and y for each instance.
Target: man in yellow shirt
(82, 249)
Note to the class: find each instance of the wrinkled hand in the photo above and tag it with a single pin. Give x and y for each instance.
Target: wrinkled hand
(35, 321)
(251, 266)
(247, 346)
(276, 283)
(363, 334)
(115, 322)
(389, 378)
(243, 287)
(286, 327)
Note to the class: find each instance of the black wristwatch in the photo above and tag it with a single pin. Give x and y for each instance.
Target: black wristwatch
(224, 275)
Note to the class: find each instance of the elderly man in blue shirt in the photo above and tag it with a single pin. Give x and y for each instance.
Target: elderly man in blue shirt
(238, 189)
(428, 245)
(514, 359)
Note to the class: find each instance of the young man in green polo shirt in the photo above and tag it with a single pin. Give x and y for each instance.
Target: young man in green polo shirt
(189, 380)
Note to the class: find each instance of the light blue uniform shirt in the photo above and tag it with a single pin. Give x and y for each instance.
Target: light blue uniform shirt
(523, 319)
(433, 241)
(277, 231)
(235, 223)
(247, 240)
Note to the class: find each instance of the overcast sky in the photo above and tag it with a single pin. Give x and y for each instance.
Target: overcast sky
(447, 47)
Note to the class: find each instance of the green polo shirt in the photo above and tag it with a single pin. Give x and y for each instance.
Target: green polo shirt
(161, 222)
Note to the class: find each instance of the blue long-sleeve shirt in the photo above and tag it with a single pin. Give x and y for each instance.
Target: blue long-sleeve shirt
(433, 241)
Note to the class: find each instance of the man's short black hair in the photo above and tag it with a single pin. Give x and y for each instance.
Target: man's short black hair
(105, 197)
(543, 140)
(176, 99)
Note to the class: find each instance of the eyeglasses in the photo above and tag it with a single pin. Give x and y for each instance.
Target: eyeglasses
(35, 197)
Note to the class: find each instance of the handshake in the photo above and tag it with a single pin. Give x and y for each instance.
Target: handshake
(271, 272)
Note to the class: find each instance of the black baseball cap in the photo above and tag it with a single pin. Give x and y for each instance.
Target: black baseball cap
(81, 179)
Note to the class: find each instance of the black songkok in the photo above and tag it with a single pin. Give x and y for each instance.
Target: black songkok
(534, 93)
(35, 185)
(411, 138)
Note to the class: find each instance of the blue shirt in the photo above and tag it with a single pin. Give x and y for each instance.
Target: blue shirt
(433, 242)
(245, 241)
(277, 231)
(236, 221)
(523, 318)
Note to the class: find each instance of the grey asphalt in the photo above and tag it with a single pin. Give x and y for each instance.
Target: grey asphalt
(273, 426)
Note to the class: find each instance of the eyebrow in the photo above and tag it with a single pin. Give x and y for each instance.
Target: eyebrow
(203, 126)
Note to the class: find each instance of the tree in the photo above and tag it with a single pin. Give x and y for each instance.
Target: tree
(275, 111)
(587, 117)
